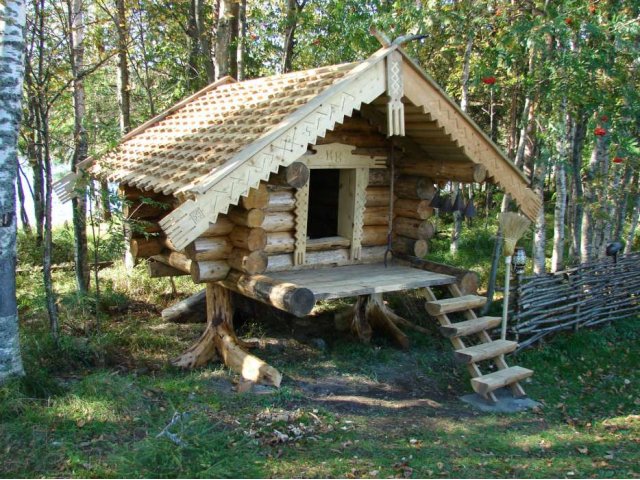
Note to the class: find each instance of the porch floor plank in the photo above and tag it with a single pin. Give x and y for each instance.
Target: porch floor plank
(349, 281)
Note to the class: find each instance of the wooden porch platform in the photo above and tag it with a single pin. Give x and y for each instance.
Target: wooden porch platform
(352, 280)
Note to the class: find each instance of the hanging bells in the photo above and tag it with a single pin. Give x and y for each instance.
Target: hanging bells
(436, 201)
(447, 206)
(470, 209)
(458, 203)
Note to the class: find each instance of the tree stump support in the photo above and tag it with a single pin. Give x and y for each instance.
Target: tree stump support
(370, 314)
(219, 341)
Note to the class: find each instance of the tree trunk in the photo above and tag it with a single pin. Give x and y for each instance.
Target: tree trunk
(124, 95)
(193, 72)
(587, 250)
(621, 210)
(219, 341)
(81, 146)
(11, 77)
(464, 102)
(635, 216)
(147, 82)
(24, 218)
(226, 39)
(369, 314)
(293, 10)
(539, 235)
(242, 38)
(557, 258)
(124, 105)
(204, 37)
(34, 149)
(577, 142)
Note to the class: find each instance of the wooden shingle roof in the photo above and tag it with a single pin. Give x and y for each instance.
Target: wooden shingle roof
(176, 152)
(213, 147)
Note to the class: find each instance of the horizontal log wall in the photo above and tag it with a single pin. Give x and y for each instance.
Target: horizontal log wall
(589, 295)
(411, 229)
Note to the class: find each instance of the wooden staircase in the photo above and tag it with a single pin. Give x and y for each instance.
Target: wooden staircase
(485, 350)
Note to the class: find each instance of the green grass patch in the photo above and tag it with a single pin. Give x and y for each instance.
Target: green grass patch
(94, 404)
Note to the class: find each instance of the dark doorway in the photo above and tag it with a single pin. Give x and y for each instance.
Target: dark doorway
(324, 189)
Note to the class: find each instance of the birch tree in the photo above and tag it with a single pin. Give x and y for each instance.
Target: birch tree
(81, 142)
(12, 23)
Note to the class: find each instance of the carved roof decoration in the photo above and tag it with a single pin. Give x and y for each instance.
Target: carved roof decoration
(215, 146)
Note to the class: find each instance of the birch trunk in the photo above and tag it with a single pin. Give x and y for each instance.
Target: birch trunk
(557, 257)
(587, 251)
(124, 104)
(81, 146)
(12, 24)
(539, 229)
(560, 210)
(577, 142)
(242, 38)
(464, 102)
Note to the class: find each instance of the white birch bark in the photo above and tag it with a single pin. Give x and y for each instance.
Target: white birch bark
(560, 210)
(456, 231)
(81, 142)
(587, 250)
(12, 23)
(557, 257)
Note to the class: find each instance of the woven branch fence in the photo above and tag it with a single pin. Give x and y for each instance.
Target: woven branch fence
(584, 296)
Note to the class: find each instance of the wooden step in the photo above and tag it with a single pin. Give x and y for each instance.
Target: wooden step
(501, 378)
(462, 329)
(484, 351)
(455, 304)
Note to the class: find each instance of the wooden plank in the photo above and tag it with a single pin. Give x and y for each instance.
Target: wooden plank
(463, 329)
(457, 304)
(338, 155)
(485, 351)
(352, 280)
(501, 378)
(327, 243)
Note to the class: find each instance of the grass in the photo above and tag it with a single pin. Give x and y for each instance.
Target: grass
(94, 405)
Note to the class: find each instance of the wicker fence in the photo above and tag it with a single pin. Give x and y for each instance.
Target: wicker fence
(588, 295)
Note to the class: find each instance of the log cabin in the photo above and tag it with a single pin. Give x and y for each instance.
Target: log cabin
(309, 186)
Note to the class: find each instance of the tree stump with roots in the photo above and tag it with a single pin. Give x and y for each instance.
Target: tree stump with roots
(219, 341)
(370, 314)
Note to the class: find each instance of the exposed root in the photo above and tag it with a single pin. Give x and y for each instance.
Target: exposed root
(369, 314)
(219, 341)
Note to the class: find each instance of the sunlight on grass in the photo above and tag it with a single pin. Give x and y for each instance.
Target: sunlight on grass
(82, 410)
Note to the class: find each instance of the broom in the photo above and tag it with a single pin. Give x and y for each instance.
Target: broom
(513, 226)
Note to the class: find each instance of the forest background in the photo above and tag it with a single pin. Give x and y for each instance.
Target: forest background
(554, 83)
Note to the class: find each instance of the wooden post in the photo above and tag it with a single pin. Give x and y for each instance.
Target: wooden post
(219, 341)
(369, 314)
